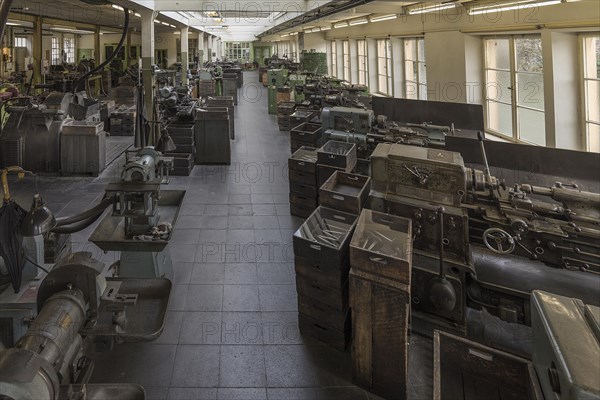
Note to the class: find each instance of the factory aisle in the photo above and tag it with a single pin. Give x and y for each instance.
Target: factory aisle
(231, 331)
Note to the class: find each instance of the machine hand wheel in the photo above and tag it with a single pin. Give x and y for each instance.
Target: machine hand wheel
(499, 241)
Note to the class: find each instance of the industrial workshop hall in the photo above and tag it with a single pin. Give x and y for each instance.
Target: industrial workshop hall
(300, 199)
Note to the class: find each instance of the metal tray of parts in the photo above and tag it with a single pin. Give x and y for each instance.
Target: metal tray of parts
(110, 233)
(304, 160)
(144, 321)
(345, 192)
(337, 154)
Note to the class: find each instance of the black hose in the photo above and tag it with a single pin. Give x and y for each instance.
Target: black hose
(36, 264)
(76, 227)
(98, 209)
(109, 59)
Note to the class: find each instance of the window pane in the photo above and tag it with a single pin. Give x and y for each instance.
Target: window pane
(410, 49)
(497, 86)
(592, 57)
(593, 100)
(530, 90)
(497, 53)
(593, 137)
(529, 54)
(423, 92)
(532, 126)
(500, 118)
(412, 90)
(381, 48)
(422, 73)
(421, 52)
(382, 84)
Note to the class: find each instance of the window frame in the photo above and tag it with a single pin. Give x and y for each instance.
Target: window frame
(362, 60)
(69, 49)
(55, 51)
(20, 41)
(333, 51)
(346, 60)
(514, 93)
(388, 57)
(421, 82)
(586, 122)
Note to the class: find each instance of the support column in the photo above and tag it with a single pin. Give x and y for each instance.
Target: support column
(148, 17)
(200, 49)
(38, 59)
(185, 63)
(97, 53)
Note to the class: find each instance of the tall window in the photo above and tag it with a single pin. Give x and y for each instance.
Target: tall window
(346, 59)
(384, 67)
(69, 49)
(238, 51)
(515, 88)
(363, 64)
(414, 69)
(20, 41)
(591, 78)
(333, 58)
(55, 51)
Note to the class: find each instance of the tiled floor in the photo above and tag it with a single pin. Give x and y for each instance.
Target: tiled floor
(231, 331)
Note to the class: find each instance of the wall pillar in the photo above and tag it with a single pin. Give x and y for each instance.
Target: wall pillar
(38, 59)
(97, 51)
(201, 56)
(148, 17)
(185, 63)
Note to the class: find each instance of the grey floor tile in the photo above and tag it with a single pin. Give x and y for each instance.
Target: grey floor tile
(213, 222)
(262, 198)
(218, 210)
(240, 298)
(239, 189)
(196, 366)
(260, 189)
(178, 297)
(182, 273)
(183, 252)
(267, 236)
(176, 393)
(142, 363)
(334, 393)
(156, 393)
(242, 366)
(185, 236)
(242, 394)
(240, 236)
(170, 334)
(204, 298)
(281, 328)
(240, 199)
(282, 209)
(241, 209)
(281, 198)
(264, 209)
(209, 235)
(241, 274)
(278, 298)
(289, 222)
(274, 274)
(208, 274)
(242, 328)
(201, 328)
(240, 222)
(288, 366)
(266, 222)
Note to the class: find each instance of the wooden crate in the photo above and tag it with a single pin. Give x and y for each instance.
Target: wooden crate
(380, 314)
(382, 245)
(345, 192)
(322, 312)
(304, 190)
(337, 154)
(324, 172)
(301, 177)
(307, 133)
(335, 338)
(463, 369)
(337, 299)
(328, 274)
(301, 210)
(304, 160)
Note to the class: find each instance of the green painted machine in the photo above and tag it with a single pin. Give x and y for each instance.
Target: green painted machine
(277, 78)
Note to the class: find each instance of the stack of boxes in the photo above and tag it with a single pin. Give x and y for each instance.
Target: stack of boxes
(335, 156)
(206, 88)
(321, 246)
(304, 193)
(122, 121)
(306, 134)
(284, 110)
(183, 137)
(380, 298)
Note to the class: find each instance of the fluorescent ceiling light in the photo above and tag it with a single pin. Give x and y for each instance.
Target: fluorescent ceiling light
(285, 35)
(165, 23)
(359, 22)
(293, 33)
(117, 7)
(13, 24)
(138, 15)
(513, 5)
(325, 28)
(384, 18)
(340, 24)
(432, 8)
(156, 21)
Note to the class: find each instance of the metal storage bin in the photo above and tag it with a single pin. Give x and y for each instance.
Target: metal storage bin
(345, 192)
(304, 160)
(230, 86)
(211, 133)
(306, 134)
